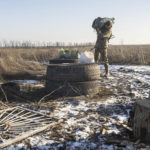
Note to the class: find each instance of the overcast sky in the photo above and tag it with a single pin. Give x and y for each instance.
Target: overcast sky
(71, 20)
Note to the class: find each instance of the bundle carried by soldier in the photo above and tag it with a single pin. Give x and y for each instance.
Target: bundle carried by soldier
(99, 23)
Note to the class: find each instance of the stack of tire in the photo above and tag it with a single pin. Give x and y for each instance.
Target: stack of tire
(59, 61)
(73, 79)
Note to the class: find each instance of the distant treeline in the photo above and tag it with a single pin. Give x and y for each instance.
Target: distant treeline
(37, 44)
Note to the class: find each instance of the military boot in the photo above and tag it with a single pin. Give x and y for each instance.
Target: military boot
(107, 71)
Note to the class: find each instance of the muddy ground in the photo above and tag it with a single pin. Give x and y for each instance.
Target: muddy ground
(94, 122)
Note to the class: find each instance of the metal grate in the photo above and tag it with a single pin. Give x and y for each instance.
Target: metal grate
(17, 121)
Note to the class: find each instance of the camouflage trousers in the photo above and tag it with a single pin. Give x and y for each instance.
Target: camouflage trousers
(101, 52)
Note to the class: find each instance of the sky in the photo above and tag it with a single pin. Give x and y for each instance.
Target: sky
(71, 20)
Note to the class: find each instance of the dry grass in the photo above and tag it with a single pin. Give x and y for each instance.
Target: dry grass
(24, 62)
(129, 54)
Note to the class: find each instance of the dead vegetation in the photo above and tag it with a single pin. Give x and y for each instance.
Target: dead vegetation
(129, 54)
(16, 63)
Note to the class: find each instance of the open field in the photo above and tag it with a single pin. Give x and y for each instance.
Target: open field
(24, 62)
(94, 122)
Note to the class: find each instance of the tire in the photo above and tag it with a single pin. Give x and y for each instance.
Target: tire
(11, 89)
(10, 86)
(72, 88)
(60, 61)
(73, 72)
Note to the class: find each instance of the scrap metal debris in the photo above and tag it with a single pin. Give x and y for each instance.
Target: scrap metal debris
(18, 123)
(3, 105)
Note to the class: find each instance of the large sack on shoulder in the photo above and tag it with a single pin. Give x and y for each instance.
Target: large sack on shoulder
(100, 22)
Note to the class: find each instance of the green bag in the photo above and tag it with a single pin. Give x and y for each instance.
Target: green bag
(74, 54)
(99, 22)
(66, 54)
(61, 53)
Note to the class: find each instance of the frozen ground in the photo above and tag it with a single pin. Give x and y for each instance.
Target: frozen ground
(97, 123)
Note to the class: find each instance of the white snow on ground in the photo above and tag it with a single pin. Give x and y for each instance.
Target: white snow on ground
(26, 85)
(86, 120)
(25, 81)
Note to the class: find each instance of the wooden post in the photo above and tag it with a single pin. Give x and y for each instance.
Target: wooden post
(142, 120)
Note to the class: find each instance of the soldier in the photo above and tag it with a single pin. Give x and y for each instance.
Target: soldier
(103, 27)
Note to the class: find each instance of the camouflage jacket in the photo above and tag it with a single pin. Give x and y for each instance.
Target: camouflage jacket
(103, 39)
(104, 34)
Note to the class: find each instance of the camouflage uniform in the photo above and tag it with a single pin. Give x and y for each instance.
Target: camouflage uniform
(101, 47)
